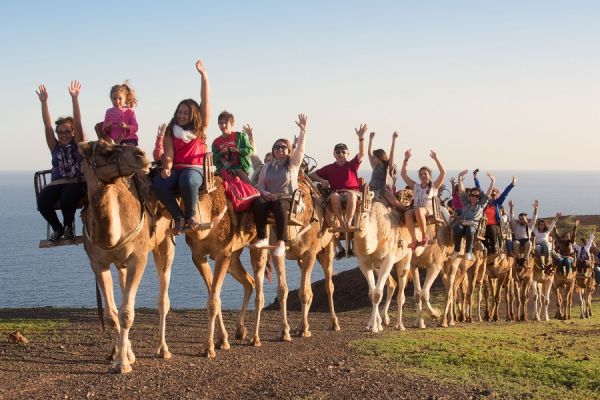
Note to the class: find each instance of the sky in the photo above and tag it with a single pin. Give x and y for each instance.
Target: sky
(511, 85)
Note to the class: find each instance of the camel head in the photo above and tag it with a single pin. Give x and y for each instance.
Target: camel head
(110, 161)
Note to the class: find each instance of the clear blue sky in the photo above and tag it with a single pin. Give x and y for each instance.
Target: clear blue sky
(502, 85)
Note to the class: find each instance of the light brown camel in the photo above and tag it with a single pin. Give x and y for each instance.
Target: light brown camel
(456, 270)
(522, 278)
(119, 229)
(498, 276)
(382, 242)
(542, 280)
(585, 286)
(564, 288)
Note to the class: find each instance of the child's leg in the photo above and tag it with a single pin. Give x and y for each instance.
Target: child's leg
(421, 214)
(409, 220)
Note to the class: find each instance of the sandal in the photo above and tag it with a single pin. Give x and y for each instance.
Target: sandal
(179, 225)
(191, 224)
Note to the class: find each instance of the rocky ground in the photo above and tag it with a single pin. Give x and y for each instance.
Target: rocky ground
(70, 362)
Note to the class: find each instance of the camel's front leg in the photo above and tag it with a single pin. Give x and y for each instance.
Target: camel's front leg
(432, 274)
(239, 274)
(546, 288)
(135, 270)
(259, 261)
(325, 258)
(370, 276)
(305, 293)
(282, 294)
(450, 279)
(163, 259)
(414, 271)
(214, 304)
(111, 314)
(402, 273)
(377, 294)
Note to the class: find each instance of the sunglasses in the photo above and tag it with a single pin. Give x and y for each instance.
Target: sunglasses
(64, 132)
(340, 151)
(280, 147)
(475, 195)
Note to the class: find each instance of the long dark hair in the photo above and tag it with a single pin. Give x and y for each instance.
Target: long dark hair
(289, 146)
(382, 156)
(195, 124)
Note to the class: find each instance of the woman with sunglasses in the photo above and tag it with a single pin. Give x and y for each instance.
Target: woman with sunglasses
(473, 206)
(423, 193)
(66, 184)
(277, 181)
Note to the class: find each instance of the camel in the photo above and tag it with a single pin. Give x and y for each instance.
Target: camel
(522, 278)
(564, 286)
(499, 275)
(120, 229)
(380, 243)
(585, 286)
(456, 270)
(542, 280)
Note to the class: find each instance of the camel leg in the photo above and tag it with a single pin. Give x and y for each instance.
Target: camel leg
(581, 304)
(135, 270)
(239, 274)
(432, 274)
(259, 261)
(402, 280)
(570, 299)
(414, 271)
(525, 294)
(111, 314)
(325, 258)
(282, 293)
(214, 300)
(390, 289)
(305, 293)
(486, 295)
(450, 278)
(537, 300)
(559, 300)
(163, 259)
(546, 287)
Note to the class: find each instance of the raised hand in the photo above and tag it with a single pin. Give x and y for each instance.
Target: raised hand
(452, 180)
(511, 204)
(302, 121)
(371, 135)
(558, 215)
(247, 129)
(394, 135)
(201, 68)
(42, 93)
(433, 155)
(407, 154)
(74, 88)
(492, 177)
(536, 204)
(463, 173)
(361, 130)
(161, 130)
(576, 222)
(514, 180)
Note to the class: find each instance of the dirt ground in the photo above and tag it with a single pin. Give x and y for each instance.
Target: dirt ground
(70, 363)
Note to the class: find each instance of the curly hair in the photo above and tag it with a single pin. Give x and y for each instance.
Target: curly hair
(195, 124)
(65, 120)
(289, 146)
(127, 91)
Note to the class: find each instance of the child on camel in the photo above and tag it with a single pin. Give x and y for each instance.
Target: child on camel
(232, 150)
(120, 124)
(423, 194)
(381, 179)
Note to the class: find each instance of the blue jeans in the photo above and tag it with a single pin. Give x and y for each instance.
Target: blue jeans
(188, 181)
(469, 234)
(542, 250)
(566, 263)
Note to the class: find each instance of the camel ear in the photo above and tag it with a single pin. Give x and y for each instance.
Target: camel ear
(85, 149)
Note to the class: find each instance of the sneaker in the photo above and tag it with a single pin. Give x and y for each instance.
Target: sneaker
(470, 256)
(68, 235)
(261, 243)
(279, 250)
(56, 235)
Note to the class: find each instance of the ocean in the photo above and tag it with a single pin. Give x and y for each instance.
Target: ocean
(61, 277)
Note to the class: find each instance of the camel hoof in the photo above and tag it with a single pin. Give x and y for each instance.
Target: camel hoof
(163, 352)
(256, 342)
(400, 327)
(209, 353)
(241, 333)
(285, 337)
(131, 357)
(120, 368)
(224, 345)
(435, 313)
(452, 323)
(422, 324)
(305, 334)
(335, 326)
(444, 324)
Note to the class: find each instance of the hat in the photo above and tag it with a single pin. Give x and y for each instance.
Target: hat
(340, 146)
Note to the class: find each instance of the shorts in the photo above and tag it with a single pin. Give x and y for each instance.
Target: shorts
(343, 193)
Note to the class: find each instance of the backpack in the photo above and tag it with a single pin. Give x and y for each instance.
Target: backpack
(240, 193)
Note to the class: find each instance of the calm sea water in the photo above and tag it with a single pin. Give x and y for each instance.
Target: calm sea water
(61, 277)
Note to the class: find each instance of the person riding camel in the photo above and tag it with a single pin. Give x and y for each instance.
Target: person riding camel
(563, 248)
(541, 234)
(582, 250)
(522, 229)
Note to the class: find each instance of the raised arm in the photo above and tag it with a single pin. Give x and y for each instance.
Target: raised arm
(492, 181)
(204, 94)
(440, 179)
(370, 150)
(50, 138)
(554, 221)
(392, 150)
(511, 208)
(536, 206)
(502, 197)
(254, 157)
(574, 234)
(74, 89)
(298, 153)
(360, 132)
(159, 150)
(475, 179)
(409, 182)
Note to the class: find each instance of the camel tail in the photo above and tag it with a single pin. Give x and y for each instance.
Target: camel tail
(99, 306)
